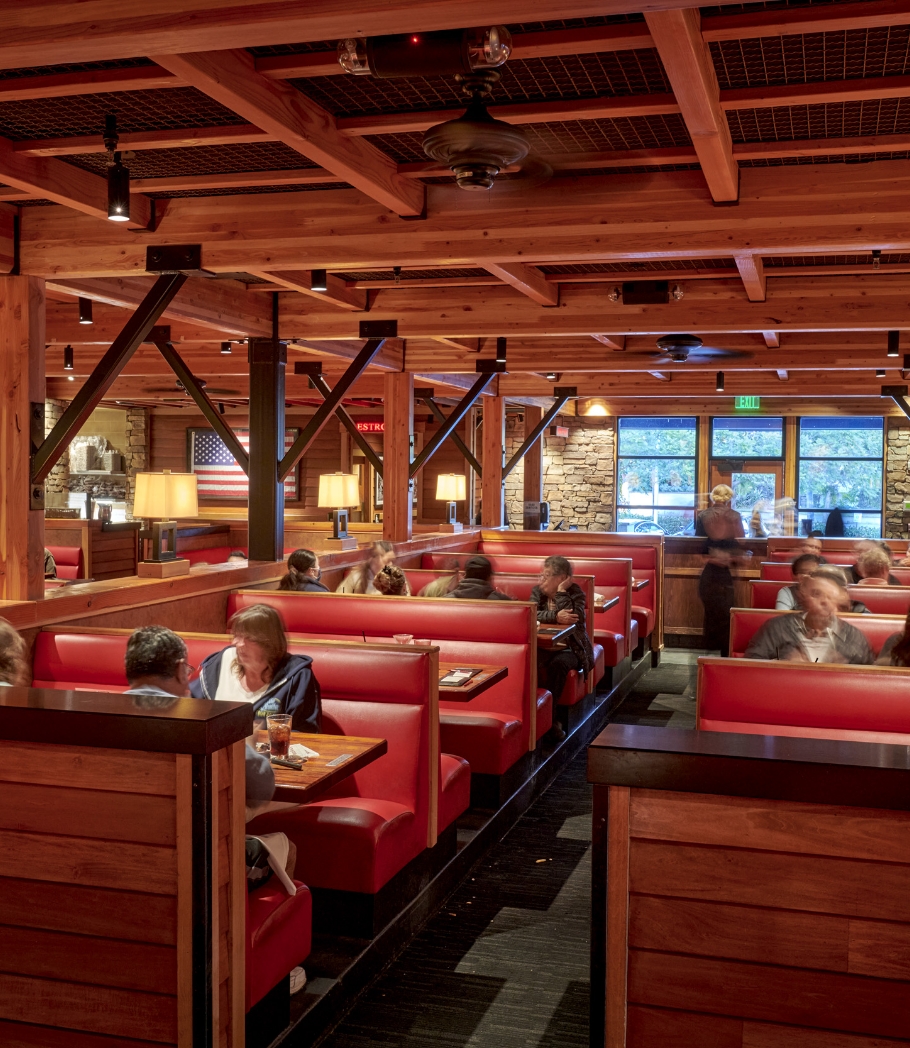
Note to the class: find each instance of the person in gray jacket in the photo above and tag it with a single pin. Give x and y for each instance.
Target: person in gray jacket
(814, 634)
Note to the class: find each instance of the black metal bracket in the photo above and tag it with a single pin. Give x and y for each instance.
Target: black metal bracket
(325, 411)
(448, 427)
(325, 390)
(490, 367)
(427, 397)
(208, 409)
(175, 258)
(379, 329)
(899, 395)
(562, 394)
(134, 333)
(159, 333)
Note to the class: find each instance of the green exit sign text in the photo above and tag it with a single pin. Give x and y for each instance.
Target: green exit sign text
(747, 403)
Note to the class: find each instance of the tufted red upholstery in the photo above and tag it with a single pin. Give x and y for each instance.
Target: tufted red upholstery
(491, 732)
(69, 561)
(278, 935)
(788, 698)
(744, 623)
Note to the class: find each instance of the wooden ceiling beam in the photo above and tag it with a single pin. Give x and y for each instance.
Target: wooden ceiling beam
(301, 176)
(87, 82)
(690, 70)
(186, 138)
(526, 279)
(337, 292)
(753, 276)
(614, 342)
(231, 79)
(772, 339)
(793, 21)
(390, 357)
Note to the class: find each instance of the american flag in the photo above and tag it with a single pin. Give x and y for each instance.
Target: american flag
(216, 469)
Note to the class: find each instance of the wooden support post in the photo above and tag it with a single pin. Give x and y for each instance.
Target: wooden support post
(399, 435)
(494, 438)
(533, 471)
(22, 385)
(268, 359)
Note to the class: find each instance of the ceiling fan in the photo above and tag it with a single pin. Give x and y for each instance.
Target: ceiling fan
(678, 349)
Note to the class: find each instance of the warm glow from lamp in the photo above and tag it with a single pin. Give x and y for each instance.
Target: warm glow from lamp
(595, 407)
(338, 490)
(166, 495)
(451, 487)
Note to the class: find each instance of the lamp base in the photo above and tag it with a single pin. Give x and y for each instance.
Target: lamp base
(334, 545)
(451, 529)
(162, 569)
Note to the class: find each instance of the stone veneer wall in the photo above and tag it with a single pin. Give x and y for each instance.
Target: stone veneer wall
(56, 487)
(136, 454)
(897, 477)
(578, 473)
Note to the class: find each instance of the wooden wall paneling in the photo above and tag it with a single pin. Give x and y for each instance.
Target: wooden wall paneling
(206, 613)
(617, 916)
(238, 894)
(448, 459)
(772, 1035)
(879, 949)
(184, 929)
(27, 1035)
(22, 341)
(145, 773)
(494, 436)
(650, 1027)
(399, 428)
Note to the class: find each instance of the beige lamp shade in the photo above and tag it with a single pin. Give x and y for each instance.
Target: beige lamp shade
(338, 490)
(451, 487)
(165, 495)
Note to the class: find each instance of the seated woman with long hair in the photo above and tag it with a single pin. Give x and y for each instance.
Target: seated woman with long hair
(896, 649)
(303, 573)
(257, 668)
(12, 656)
(361, 580)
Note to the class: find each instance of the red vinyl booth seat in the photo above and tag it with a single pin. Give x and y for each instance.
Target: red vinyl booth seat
(774, 571)
(492, 731)
(840, 558)
(69, 561)
(883, 600)
(861, 703)
(278, 935)
(745, 623)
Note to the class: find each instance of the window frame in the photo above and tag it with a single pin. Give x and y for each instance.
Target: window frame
(694, 457)
(750, 458)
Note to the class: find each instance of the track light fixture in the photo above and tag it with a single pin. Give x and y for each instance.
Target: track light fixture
(440, 53)
(85, 311)
(894, 343)
(118, 177)
(500, 350)
(876, 258)
(318, 280)
(552, 376)
(677, 293)
(879, 372)
(225, 348)
(719, 382)
(68, 364)
(396, 273)
(614, 294)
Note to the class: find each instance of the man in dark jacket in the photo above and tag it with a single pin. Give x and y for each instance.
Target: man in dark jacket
(561, 601)
(477, 582)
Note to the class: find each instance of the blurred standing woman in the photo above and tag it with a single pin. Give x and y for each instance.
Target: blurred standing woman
(360, 580)
(722, 526)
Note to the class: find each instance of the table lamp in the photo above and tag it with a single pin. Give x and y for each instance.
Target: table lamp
(451, 488)
(339, 491)
(164, 496)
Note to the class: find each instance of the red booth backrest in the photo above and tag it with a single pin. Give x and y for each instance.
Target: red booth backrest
(842, 558)
(420, 577)
(774, 571)
(745, 623)
(69, 560)
(845, 698)
(763, 594)
(883, 600)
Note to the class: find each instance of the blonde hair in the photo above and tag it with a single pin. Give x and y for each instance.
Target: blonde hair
(362, 577)
(874, 563)
(261, 624)
(391, 581)
(721, 493)
(12, 655)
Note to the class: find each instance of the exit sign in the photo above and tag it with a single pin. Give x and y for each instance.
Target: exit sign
(747, 403)
(370, 427)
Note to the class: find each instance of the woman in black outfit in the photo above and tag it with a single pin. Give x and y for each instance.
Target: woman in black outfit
(722, 526)
(896, 649)
(303, 573)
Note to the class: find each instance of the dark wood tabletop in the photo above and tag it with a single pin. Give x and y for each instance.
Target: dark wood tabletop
(605, 605)
(315, 777)
(638, 584)
(552, 636)
(488, 676)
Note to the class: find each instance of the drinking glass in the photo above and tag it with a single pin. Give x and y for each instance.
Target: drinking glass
(279, 727)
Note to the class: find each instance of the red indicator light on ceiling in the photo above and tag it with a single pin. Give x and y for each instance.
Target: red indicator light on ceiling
(415, 39)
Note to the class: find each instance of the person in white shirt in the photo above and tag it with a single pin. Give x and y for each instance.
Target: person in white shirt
(360, 580)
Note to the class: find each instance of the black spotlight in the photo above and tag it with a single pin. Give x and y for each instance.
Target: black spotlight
(500, 350)
(879, 372)
(225, 348)
(118, 177)
(719, 382)
(68, 364)
(85, 311)
(318, 280)
(894, 343)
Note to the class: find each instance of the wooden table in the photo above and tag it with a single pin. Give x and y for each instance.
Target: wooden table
(638, 584)
(315, 778)
(552, 636)
(478, 684)
(605, 605)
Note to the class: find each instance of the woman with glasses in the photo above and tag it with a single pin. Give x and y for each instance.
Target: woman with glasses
(560, 601)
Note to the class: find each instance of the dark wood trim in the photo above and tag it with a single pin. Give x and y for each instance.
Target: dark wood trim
(821, 771)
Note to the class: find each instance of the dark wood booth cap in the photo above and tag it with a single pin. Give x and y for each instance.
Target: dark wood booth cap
(112, 720)
(818, 771)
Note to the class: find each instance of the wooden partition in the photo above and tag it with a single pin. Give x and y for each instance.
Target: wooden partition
(748, 891)
(122, 875)
(109, 550)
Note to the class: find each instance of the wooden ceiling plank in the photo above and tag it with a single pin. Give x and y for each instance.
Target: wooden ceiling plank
(858, 90)
(175, 183)
(752, 272)
(526, 279)
(772, 339)
(794, 21)
(185, 138)
(690, 70)
(614, 342)
(88, 82)
(389, 358)
(337, 292)
(231, 79)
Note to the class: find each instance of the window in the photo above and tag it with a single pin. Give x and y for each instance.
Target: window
(761, 438)
(841, 466)
(656, 487)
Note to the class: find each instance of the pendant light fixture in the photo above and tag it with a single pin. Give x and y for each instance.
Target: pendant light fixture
(225, 348)
(500, 350)
(719, 382)
(85, 311)
(68, 364)
(118, 177)
(894, 343)
(318, 280)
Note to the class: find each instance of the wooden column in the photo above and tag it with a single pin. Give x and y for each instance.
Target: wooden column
(22, 384)
(268, 359)
(494, 439)
(398, 496)
(533, 470)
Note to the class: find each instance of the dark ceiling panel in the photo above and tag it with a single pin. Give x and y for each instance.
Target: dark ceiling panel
(851, 158)
(880, 116)
(652, 266)
(74, 67)
(202, 160)
(770, 5)
(865, 259)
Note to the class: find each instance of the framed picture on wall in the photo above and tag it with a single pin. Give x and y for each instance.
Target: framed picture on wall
(377, 488)
(219, 476)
